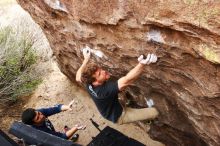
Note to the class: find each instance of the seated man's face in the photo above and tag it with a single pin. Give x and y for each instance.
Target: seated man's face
(101, 75)
(39, 118)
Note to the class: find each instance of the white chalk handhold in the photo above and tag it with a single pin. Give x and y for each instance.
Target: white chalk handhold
(149, 102)
(154, 58)
(98, 53)
(56, 4)
(155, 35)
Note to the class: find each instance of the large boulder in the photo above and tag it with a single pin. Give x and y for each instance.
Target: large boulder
(185, 34)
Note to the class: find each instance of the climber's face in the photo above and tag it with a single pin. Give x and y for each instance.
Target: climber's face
(101, 75)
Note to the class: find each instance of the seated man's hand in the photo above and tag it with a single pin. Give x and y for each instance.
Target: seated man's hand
(86, 52)
(151, 58)
(70, 105)
(80, 127)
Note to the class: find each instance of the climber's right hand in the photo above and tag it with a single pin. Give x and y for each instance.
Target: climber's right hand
(151, 58)
(86, 52)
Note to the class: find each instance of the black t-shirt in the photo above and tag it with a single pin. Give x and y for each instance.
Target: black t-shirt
(105, 97)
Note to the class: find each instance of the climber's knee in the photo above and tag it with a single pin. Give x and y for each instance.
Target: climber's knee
(154, 112)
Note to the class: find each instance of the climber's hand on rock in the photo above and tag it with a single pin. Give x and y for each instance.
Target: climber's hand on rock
(86, 52)
(151, 58)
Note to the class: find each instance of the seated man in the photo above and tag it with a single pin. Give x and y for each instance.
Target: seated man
(104, 92)
(39, 120)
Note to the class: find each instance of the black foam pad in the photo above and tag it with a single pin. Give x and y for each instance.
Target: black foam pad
(5, 140)
(36, 137)
(111, 137)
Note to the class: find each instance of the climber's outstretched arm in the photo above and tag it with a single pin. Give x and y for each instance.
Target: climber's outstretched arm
(133, 74)
(86, 54)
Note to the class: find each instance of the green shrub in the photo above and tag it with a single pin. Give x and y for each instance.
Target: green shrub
(17, 57)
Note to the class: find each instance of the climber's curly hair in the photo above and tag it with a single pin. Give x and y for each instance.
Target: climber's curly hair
(87, 74)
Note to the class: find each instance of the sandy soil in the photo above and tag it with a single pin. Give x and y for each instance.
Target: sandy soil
(56, 88)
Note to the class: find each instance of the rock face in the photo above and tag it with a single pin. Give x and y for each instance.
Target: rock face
(185, 34)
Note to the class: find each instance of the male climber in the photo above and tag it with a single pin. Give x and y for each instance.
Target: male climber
(104, 91)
